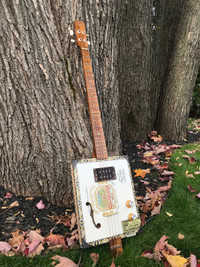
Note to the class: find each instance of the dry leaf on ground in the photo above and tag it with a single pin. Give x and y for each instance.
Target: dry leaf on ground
(141, 172)
(63, 261)
(16, 239)
(4, 247)
(35, 236)
(94, 257)
(54, 240)
(40, 205)
(73, 221)
(174, 261)
(180, 236)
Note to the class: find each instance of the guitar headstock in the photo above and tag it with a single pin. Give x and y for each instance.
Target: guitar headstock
(80, 33)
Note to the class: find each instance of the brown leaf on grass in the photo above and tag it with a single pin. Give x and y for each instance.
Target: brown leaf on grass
(191, 160)
(113, 265)
(141, 172)
(63, 262)
(190, 175)
(198, 195)
(174, 261)
(160, 245)
(180, 236)
(95, 258)
(143, 216)
(171, 249)
(54, 240)
(148, 254)
(156, 210)
(193, 260)
(16, 239)
(35, 248)
(54, 248)
(192, 190)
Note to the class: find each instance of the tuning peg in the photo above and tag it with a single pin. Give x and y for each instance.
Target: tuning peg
(72, 41)
(71, 32)
(88, 42)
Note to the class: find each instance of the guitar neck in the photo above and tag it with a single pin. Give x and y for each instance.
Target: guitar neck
(100, 149)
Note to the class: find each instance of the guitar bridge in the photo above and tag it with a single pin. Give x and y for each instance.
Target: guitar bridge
(104, 174)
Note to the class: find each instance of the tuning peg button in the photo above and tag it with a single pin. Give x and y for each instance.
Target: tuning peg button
(131, 216)
(129, 203)
(72, 41)
(71, 32)
(88, 42)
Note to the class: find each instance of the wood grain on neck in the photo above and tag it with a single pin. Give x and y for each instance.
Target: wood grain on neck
(100, 149)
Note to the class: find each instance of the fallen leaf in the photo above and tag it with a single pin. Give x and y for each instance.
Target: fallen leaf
(5, 247)
(190, 175)
(161, 243)
(171, 249)
(8, 195)
(53, 240)
(29, 198)
(164, 188)
(180, 236)
(189, 151)
(64, 262)
(148, 254)
(35, 236)
(198, 195)
(174, 261)
(73, 221)
(169, 214)
(156, 210)
(70, 242)
(37, 250)
(141, 172)
(166, 173)
(94, 257)
(143, 216)
(40, 205)
(16, 239)
(192, 190)
(193, 260)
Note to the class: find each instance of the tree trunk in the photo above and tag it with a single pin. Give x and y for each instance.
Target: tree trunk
(43, 117)
(137, 97)
(181, 65)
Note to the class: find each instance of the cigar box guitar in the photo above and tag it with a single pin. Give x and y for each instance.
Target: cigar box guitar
(103, 188)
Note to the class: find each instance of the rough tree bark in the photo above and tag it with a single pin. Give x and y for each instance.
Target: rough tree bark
(44, 121)
(180, 35)
(135, 69)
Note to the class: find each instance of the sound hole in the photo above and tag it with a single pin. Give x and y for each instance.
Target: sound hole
(97, 225)
(104, 174)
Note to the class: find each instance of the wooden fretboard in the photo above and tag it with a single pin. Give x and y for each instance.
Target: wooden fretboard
(100, 149)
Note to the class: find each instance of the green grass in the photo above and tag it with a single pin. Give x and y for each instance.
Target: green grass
(185, 220)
